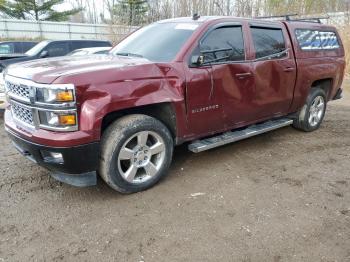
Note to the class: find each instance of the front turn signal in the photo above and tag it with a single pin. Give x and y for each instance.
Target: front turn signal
(67, 120)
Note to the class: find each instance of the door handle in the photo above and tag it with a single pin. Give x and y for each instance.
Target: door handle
(244, 75)
(289, 69)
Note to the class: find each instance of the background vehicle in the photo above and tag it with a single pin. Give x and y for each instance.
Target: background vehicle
(12, 49)
(208, 81)
(90, 51)
(53, 48)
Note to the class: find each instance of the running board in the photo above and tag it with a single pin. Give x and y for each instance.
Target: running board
(233, 136)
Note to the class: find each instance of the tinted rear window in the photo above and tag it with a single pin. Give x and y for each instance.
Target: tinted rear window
(316, 40)
(267, 41)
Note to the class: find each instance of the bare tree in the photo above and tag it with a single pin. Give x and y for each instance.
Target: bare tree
(104, 10)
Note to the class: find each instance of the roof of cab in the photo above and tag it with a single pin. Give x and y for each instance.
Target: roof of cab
(204, 19)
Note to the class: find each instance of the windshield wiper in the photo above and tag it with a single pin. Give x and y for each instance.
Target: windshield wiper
(129, 54)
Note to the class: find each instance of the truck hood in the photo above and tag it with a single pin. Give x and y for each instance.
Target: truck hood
(47, 70)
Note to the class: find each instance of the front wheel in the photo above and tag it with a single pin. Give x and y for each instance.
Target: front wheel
(310, 117)
(136, 153)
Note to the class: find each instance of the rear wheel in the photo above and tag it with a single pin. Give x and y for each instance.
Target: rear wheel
(310, 117)
(136, 153)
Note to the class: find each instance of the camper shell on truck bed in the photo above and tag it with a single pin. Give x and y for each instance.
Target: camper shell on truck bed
(207, 81)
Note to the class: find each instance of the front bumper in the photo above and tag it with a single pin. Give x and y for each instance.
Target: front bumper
(76, 166)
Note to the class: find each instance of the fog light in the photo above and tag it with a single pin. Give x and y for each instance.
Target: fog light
(52, 157)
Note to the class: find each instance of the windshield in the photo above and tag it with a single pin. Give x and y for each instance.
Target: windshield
(37, 48)
(158, 42)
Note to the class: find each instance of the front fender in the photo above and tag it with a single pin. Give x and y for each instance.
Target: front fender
(99, 100)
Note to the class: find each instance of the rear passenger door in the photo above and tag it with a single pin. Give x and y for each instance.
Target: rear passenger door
(274, 70)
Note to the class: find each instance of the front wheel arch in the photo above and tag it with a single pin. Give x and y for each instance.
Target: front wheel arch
(163, 112)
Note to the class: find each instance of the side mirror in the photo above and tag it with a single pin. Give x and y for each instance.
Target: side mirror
(197, 60)
(44, 54)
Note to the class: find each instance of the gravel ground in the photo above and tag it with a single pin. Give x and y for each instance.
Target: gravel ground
(281, 196)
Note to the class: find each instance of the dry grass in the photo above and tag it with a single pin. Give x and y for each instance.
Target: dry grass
(345, 35)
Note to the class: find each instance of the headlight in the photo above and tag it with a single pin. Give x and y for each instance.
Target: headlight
(62, 120)
(57, 95)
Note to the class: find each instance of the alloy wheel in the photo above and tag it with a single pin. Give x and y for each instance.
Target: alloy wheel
(316, 111)
(141, 157)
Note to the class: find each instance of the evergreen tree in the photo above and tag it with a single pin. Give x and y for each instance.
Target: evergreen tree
(35, 10)
(131, 12)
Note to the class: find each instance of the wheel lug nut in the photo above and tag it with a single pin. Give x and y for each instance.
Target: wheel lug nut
(145, 157)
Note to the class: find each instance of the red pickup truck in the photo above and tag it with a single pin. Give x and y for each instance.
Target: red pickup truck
(208, 81)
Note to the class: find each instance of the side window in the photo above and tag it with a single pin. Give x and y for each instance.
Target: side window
(88, 44)
(76, 45)
(57, 49)
(268, 41)
(6, 48)
(18, 47)
(224, 44)
(316, 40)
(27, 46)
(96, 44)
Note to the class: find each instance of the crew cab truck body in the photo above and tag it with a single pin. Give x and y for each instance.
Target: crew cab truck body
(211, 80)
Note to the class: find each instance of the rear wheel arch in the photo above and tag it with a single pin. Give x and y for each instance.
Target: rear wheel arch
(325, 84)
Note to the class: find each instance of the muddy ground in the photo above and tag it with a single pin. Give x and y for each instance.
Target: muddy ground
(282, 196)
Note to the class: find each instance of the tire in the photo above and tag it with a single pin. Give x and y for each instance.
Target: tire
(136, 152)
(310, 117)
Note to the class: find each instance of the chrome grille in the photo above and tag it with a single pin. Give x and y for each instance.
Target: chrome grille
(22, 113)
(20, 90)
